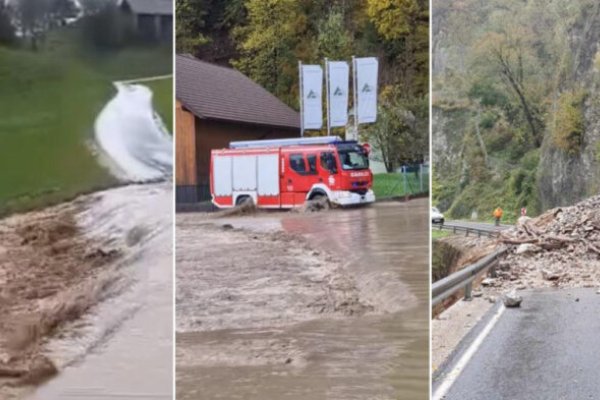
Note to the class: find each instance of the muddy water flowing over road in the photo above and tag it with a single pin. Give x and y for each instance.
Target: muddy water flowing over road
(376, 351)
(123, 347)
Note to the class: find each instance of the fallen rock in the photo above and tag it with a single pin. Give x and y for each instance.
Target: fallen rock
(550, 275)
(512, 299)
(488, 282)
(528, 248)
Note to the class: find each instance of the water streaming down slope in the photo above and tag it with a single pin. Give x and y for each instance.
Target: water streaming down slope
(122, 347)
(133, 137)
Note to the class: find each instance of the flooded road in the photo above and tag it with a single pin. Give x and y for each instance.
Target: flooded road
(86, 286)
(122, 348)
(380, 352)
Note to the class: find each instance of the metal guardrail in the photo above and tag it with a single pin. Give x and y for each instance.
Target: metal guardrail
(458, 228)
(464, 278)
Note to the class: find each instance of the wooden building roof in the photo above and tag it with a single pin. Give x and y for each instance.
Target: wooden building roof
(214, 92)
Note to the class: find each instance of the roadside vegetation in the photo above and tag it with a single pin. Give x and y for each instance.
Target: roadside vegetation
(437, 233)
(394, 185)
(162, 93)
(54, 84)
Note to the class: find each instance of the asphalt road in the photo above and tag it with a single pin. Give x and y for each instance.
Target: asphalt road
(484, 226)
(548, 349)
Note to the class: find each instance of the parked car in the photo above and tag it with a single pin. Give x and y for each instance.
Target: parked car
(436, 216)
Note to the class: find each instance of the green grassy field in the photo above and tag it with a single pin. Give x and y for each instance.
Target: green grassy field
(392, 185)
(48, 104)
(163, 99)
(436, 233)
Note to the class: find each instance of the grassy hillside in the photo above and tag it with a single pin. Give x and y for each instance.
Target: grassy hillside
(48, 104)
(163, 99)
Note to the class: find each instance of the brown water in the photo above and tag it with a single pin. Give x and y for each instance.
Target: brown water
(123, 348)
(379, 355)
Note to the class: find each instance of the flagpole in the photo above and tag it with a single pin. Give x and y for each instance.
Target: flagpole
(355, 97)
(300, 92)
(327, 96)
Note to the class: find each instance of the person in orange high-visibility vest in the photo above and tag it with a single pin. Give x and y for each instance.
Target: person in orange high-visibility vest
(497, 215)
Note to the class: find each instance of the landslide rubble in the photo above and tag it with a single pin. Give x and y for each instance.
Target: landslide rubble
(560, 248)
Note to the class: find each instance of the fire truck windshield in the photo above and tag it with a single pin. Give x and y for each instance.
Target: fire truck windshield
(353, 157)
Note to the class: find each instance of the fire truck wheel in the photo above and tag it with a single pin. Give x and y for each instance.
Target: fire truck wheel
(321, 201)
(244, 200)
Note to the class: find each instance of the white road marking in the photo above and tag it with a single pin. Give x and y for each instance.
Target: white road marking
(453, 375)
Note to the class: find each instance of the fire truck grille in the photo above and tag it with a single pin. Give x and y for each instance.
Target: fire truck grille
(359, 191)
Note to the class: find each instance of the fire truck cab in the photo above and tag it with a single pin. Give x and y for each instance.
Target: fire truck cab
(286, 173)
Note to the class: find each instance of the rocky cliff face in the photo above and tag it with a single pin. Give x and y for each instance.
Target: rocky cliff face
(446, 148)
(557, 177)
(565, 179)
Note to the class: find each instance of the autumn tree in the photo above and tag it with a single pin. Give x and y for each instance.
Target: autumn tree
(404, 24)
(506, 53)
(269, 45)
(334, 40)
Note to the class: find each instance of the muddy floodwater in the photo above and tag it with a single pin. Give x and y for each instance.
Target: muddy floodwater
(330, 305)
(122, 348)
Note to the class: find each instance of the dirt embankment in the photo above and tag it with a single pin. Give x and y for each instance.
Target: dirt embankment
(275, 278)
(50, 274)
(452, 253)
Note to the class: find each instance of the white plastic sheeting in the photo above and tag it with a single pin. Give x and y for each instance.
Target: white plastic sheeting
(133, 136)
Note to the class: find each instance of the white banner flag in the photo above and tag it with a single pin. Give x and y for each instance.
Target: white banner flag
(338, 92)
(312, 89)
(366, 88)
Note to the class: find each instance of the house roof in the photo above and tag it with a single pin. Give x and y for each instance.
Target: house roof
(160, 7)
(215, 92)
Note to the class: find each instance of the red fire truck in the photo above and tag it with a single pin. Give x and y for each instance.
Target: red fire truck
(286, 173)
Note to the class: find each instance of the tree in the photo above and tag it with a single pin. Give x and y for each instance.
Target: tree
(270, 45)
(404, 25)
(7, 29)
(401, 132)
(34, 19)
(62, 9)
(190, 21)
(333, 40)
(93, 7)
(505, 52)
(108, 28)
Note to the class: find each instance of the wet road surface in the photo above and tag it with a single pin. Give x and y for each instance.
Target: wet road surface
(123, 348)
(546, 350)
(379, 355)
